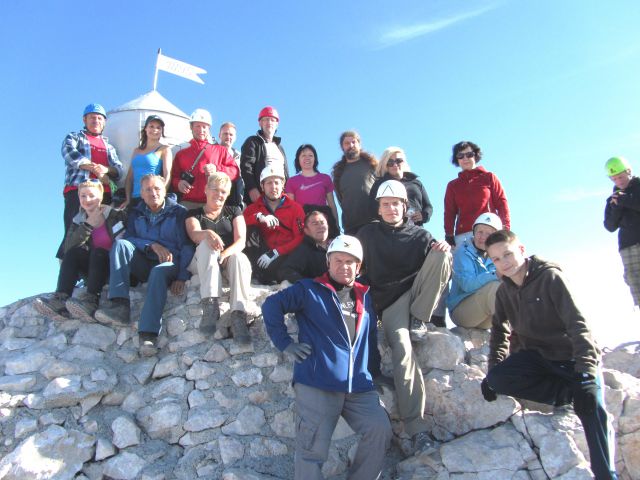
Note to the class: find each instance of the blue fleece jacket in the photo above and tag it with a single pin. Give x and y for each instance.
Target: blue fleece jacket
(471, 271)
(335, 363)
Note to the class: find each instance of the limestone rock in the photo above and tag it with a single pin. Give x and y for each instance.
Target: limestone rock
(27, 362)
(124, 466)
(248, 422)
(94, 335)
(125, 432)
(162, 420)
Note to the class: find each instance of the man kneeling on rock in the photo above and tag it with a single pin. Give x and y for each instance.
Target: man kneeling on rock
(155, 249)
(556, 361)
(336, 330)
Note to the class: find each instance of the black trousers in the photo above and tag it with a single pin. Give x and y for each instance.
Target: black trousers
(527, 375)
(79, 262)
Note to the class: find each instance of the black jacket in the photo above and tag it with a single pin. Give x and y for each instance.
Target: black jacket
(392, 258)
(252, 157)
(418, 198)
(625, 216)
(308, 260)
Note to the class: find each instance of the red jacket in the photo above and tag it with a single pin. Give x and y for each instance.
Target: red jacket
(214, 154)
(286, 236)
(472, 193)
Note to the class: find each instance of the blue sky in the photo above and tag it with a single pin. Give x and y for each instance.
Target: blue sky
(548, 89)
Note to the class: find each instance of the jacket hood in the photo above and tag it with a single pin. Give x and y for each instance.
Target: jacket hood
(535, 267)
(634, 181)
(473, 172)
(81, 216)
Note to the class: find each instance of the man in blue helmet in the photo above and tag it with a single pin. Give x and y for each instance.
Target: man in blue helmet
(87, 154)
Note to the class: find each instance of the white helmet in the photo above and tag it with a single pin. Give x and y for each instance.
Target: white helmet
(270, 171)
(490, 219)
(200, 115)
(346, 244)
(392, 188)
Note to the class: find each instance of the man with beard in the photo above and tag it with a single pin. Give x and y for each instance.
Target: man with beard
(274, 223)
(353, 176)
(309, 260)
(202, 157)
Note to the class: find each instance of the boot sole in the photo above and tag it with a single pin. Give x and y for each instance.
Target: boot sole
(44, 309)
(77, 311)
(107, 320)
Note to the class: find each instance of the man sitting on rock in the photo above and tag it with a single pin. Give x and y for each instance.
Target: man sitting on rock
(275, 227)
(155, 249)
(309, 259)
(337, 329)
(407, 270)
(556, 361)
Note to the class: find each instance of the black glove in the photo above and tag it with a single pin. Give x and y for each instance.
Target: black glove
(585, 394)
(450, 239)
(488, 393)
(298, 351)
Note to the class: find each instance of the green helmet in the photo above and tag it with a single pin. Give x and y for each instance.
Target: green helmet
(616, 165)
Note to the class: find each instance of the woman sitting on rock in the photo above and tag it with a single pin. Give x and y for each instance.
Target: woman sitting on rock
(220, 233)
(86, 253)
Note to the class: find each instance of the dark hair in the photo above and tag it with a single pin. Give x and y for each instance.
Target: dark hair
(313, 213)
(296, 162)
(143, 133)
(500, 236)
(461, 146)
(349, 133)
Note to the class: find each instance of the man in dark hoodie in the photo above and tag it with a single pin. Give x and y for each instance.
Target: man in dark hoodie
(555, 361)
(622, 213)
(309, 259)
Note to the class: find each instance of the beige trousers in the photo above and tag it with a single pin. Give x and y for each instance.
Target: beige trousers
(420, 302)
(236, 269)
(476, 310)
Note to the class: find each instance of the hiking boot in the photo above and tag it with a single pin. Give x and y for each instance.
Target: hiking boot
(210, 315)
(53, 307)
(117, 313)
(83, 307)
(422, 442)
(148, 344)
(438, 321)
(417, 330)
(239, 327)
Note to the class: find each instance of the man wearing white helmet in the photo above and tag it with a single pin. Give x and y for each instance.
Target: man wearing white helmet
(197, 160)
(275, 227)
(260, 151)
(474, 282)
(336, 331)
(407, 270)
(87, 154)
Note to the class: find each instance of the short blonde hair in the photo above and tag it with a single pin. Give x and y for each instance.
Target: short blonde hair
(92, 183)
(381, 170)
(220, 179)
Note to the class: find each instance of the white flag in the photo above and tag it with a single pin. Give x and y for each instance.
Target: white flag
(179, 68)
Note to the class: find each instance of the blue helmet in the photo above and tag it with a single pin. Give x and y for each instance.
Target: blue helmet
(95, 108)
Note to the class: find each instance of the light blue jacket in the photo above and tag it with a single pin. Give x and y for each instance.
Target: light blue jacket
(471, 271)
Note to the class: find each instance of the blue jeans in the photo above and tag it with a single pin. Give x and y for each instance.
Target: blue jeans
(127, 262)
(527, 375)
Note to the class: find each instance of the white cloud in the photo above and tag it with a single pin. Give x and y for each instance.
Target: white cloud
(578, 194)
(403, 34)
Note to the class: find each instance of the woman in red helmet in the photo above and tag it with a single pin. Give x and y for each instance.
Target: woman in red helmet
(259, 151)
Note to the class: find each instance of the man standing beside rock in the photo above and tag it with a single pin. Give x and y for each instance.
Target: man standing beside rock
(353, 176)
(337, 328)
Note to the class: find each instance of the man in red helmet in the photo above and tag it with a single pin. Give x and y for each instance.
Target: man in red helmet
(259, 151)
(200, 158)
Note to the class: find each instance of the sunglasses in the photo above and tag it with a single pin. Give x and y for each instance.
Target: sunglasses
(397, 161)
(466, 154)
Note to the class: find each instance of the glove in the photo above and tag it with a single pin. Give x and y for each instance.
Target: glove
(270, 220)
(450, 239)
(266, 258)
(585, 394)
(298, 351)
(488, 393)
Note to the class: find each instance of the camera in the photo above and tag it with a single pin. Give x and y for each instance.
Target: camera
(188, 177)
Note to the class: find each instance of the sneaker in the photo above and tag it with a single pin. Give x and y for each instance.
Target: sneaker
(148, 344)
(422, 442)
(417, 330)
(239, 327)
(116, 313)
(83, 307)
(438, 321)
(53, 307)
(210, 315)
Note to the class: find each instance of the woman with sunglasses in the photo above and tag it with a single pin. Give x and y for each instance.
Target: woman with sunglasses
(475, 191)
(151, 156)
(393, 165)
(312, 189)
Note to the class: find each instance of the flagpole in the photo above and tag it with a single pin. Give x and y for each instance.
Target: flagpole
(155, 75)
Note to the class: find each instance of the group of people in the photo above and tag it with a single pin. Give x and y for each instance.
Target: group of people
(214, 212)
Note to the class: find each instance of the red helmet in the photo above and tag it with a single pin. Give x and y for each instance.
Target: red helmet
(269, 112)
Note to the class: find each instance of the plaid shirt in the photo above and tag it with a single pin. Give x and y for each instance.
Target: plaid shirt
(76, 151)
